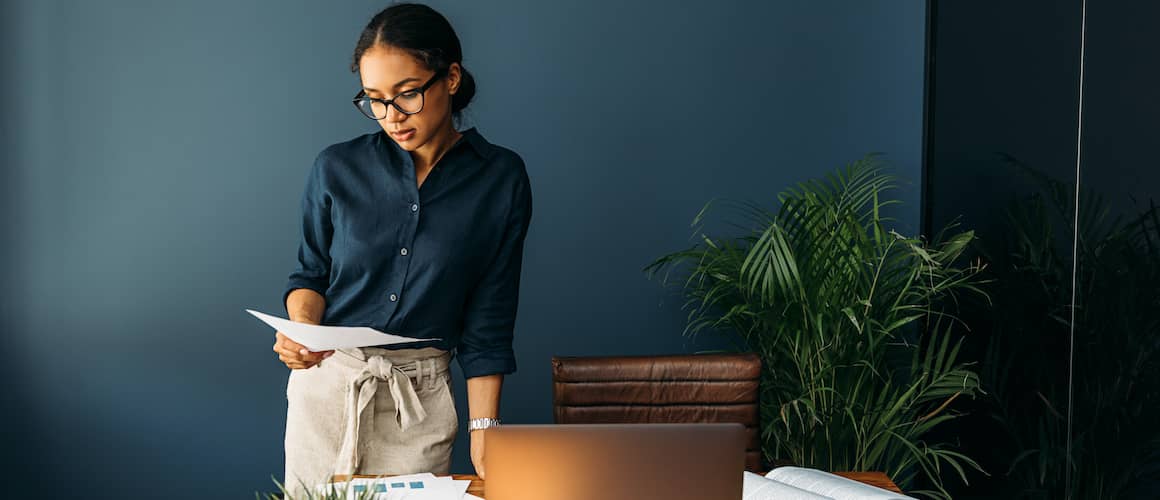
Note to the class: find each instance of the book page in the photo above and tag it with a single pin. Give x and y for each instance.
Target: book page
(756, 487)
(831, 485)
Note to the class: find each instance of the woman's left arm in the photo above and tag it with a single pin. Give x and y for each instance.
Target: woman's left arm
(482, 402)
(485, 346)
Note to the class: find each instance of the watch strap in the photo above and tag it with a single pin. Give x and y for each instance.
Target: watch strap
(476, 424)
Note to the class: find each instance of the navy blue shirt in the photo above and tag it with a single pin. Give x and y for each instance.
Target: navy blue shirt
(439, 261)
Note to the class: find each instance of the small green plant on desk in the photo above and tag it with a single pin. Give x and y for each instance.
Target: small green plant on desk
(329, 492)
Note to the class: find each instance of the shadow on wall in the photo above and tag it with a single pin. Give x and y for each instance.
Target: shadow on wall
(13, 439)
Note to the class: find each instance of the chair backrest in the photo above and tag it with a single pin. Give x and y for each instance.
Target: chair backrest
(661, 389)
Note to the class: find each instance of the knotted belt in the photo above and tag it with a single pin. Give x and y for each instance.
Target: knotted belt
(363, 386)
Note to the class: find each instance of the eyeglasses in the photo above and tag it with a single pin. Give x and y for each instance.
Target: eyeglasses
(408, 102)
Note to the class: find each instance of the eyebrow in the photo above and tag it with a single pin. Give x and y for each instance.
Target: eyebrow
(401, 82)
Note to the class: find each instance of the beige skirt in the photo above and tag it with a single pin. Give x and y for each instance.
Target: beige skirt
(370, 411)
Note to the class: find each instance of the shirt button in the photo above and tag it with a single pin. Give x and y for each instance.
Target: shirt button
(394, 297)
(414, 207)
(403, 251)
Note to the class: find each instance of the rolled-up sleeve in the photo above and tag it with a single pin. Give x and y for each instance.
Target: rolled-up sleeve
(485, 347)
(313, 267)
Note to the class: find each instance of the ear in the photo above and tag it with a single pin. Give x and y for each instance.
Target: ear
(454, 74)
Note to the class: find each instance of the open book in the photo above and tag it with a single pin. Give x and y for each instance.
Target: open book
(797, 483)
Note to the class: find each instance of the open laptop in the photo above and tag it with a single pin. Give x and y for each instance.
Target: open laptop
(614, 462)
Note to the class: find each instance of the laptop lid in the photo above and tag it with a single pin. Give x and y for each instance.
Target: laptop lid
(614, 462)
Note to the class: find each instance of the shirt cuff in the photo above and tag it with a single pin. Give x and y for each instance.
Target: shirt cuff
(483, 363)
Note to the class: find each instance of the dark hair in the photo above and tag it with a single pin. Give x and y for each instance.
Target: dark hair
(426, 35)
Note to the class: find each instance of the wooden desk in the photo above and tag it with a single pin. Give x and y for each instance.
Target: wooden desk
(878, 479)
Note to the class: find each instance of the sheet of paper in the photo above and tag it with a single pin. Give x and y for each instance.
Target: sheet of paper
(441, 488)
(324, 338)
(424, 486)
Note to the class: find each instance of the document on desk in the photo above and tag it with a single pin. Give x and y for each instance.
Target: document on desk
(324, 338)
(425, 486)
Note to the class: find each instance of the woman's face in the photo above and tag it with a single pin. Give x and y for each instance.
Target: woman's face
(387, 71)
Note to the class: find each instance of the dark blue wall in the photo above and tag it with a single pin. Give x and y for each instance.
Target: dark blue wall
(1122, 103)
(1119, 161)
(1006, 79)
(163, 145)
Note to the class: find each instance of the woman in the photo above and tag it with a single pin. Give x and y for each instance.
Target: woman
(417, 230)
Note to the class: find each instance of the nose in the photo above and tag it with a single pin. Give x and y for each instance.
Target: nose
(394, 115)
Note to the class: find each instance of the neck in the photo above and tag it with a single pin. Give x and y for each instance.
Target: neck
(426, 155)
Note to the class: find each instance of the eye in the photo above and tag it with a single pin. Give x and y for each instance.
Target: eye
(410, 94)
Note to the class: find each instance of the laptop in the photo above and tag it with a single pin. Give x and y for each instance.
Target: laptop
(614, 462)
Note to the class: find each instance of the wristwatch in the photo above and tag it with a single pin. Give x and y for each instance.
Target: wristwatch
(476, 424)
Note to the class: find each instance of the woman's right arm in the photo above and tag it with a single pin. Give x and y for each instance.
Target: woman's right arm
(303, 295)
(305, 306)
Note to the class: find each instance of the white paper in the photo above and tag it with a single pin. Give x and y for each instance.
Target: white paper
(440, 488)
(324, 338)
(755, 487)
(832, 485)
(425, 486)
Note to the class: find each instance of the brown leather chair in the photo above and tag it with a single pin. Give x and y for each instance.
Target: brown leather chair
(660, 389)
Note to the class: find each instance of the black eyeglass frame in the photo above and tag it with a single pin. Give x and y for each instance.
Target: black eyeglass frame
(422, 90)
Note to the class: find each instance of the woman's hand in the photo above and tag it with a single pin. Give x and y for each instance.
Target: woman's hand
(477, 451)
(295, 355)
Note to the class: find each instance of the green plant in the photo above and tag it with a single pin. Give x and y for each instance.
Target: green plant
(324, 491)
(853, 321)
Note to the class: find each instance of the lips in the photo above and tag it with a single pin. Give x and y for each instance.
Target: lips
(403, 135)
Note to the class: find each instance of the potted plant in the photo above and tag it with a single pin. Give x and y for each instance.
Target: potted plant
(854, 323)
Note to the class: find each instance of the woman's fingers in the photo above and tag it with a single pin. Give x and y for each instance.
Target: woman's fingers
(287, 347)
(290, 348)
(295, 355)
(292, 364)
(312, 357)
(296, 363)
(287, 343)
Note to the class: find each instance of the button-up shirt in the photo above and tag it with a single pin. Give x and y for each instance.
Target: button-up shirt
(438, 261)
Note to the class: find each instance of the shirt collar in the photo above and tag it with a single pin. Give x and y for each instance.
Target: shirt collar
(477, 142)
